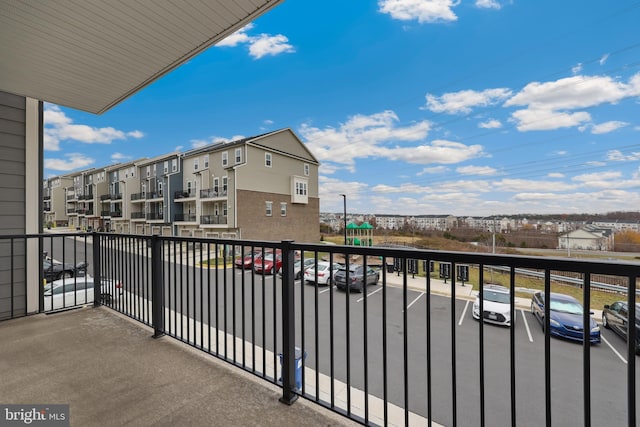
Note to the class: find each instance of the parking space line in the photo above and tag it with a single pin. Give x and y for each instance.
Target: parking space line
(368, 295)
(413, 302)
(464, 312)
(526, 325)
(613, 349)
(325, 290)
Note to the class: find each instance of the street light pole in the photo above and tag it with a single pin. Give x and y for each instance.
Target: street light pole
(344, 197)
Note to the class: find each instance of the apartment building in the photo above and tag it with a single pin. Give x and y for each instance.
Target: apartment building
(54, 203)
(261, 187)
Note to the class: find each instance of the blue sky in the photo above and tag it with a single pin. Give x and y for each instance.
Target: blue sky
(412, 107)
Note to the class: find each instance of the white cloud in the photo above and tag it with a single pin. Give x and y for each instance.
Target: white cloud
(555, 175)
(58, 127)
(577, 69)
(541, 119)
(516, 185)
(260, 45)
(120, 156)
(378, 135)
(490, 124)
(607, 127)
(617, 155)
(604, 59)
(265, 44)
(488, 4)
(433, 170)
(74, 161)
(476, 170)
(429, 11)
(238, 37)
(462, 102)
(548, 104)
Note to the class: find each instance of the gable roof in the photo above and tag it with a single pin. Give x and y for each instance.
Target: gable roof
(93, 54)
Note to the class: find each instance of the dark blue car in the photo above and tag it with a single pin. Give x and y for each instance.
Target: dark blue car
(565, 317)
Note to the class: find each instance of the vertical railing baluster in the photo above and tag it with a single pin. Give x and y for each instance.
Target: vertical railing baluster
(454, 393)
(547, 346)
(405, 340)
(512, 331)
(156, 292)
(586, 347)
(288, 326)
(481, 334)
(97, 276)
(632, 315)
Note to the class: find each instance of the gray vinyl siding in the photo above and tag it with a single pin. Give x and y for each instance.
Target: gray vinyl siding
(12, 205)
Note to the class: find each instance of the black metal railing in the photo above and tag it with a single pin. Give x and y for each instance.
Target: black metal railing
(211, 193)
(182, 217)
(154, 215)
(137, 215)
(183, 194)
(138, 196)
(213, 219)
(405, 347)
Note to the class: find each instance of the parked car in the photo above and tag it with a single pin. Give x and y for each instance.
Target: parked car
(56, 270)
(299, 267)
(565, 317)
(269, 263)
(325, 272)
(496, 305)
(357, 278)
(246, 261)
(71, 292)
(616, 318)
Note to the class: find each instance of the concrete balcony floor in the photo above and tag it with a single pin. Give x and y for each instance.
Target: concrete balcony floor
(111, 372)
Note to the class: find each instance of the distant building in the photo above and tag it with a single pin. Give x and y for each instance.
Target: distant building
(587, 238)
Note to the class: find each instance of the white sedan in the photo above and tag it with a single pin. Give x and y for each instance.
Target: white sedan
(71, 292)
(325, 273)
(496, 305)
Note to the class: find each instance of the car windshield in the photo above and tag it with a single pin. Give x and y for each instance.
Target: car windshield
(494, 296)
(565, 307)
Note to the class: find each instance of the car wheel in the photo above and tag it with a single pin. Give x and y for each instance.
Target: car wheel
(64, 275)
(605, 321)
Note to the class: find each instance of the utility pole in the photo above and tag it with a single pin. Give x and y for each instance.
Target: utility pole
(344, 197)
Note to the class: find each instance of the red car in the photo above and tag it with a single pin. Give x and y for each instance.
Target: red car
(247, 260)
(270, 263)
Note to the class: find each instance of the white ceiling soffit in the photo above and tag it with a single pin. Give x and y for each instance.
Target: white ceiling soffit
(92, 54)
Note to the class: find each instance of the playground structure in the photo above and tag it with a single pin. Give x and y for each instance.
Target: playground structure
(360, 235)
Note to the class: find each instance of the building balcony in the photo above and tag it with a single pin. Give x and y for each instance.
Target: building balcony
(212, 193)
(154, 216)
(180, 195)
(213, 219)
(105, 213)
(115, 214)
(154, 195)
(105, 197)
(185, 218)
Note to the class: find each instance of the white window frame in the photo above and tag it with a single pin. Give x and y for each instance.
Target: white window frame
(225, 159)
(189, 188)
(148, 171)
(283, 208)
(196, 164)
(268, 207)
(206, 161)
(224, 209)
(174, 165)
(238, 155)
(166, 166)
(306, 169)
(216, 184)
(225, 184)
(268, 160)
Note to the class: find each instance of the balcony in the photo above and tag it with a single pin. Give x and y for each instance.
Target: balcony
(105, 197)
(138, 197)
(213, 219)
(105, 213)
(212, 193)
(154, 216)
(183, 194)
(85, 197)
(115, 214)
(137, 215)
(116, 196)
(406, 350)
(185, 218)
(154, 195)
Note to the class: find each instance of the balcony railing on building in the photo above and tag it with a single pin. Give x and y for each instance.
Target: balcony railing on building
(152, 216)
(213, 219)
(212, 193)
(137, 215)
(116, 196)
(105, 213)
(183, 194)
(154, 195)
(138, 196)
(115, 214)
(182, 217)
